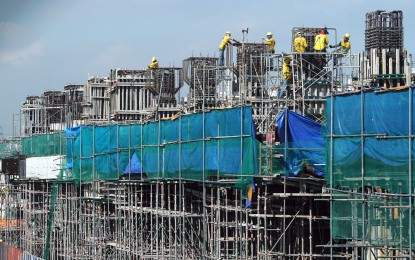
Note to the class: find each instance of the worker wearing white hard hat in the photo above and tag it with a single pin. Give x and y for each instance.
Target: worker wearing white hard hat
(300, 43)
(270, 42)
(225, 41)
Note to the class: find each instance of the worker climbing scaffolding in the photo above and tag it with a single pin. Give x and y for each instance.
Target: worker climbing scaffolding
(286, 77)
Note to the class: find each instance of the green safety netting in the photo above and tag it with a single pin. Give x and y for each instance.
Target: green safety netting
(371, 149)
(9, 149)
(44, 145)
(382, 221)
(196, 146)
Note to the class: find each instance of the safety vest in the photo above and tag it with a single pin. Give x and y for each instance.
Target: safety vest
(286, 71)
(224, 42)
(345, 46)
(154, 65)
(300, 44)
(320, 42)
(271, 44)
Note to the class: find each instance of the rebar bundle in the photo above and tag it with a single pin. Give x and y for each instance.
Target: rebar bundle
(250, 61)
(384, 30)
(200, 75)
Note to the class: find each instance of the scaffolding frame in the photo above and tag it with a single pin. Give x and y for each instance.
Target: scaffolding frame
(135, 217)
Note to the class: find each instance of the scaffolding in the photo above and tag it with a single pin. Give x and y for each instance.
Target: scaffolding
(96, 101)
(212, 182)
(52, 112)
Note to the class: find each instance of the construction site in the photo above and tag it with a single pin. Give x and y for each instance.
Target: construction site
(222, 162)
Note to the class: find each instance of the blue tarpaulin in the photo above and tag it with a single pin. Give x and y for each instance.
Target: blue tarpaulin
(302, 141)
(134, 166)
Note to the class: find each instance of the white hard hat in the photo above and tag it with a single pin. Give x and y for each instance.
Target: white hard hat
(269, 33)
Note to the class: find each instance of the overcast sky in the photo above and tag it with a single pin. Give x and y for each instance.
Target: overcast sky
(45, 45)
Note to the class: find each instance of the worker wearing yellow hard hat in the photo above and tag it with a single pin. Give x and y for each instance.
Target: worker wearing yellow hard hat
(154, 63)
(286, 77)
(344, 44)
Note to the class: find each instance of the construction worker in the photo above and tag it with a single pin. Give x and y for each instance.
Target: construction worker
(270, 46)
(154, 63)
(321, 41)
(286, 77)
(270, 42)
(344, 44)
(225, 41)
(300, 44)
(320, 44)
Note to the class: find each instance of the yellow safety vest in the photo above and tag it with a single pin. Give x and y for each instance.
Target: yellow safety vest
(154, 65)
(224, 42)
(286, 70)
(300, 44)
(271, 44)
(345, 45)
(320, 42)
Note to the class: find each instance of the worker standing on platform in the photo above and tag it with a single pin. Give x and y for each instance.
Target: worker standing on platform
(321, 41)
(270, 46)
(300, 44)
(270, 42)
(225, 41)
(286, 77)
(154, 63)
(344, 44)
(320, 44)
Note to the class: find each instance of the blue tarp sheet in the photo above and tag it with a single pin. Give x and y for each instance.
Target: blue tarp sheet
(302, 142)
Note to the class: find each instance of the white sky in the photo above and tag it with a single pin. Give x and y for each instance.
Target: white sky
(46, 44)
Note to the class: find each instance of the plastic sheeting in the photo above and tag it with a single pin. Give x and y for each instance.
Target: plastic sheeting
(372, 148)
(302, 143)
(195, 146)
(371, 142)
(44, 145)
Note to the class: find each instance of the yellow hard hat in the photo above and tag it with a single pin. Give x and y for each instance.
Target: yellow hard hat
(153, 59)
(269, 33)
(347, 36)
(228, 32)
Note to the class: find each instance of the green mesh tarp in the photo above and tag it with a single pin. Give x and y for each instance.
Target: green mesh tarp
(44, 145)
(10, 149)
(371, 149)
(382, 221)
(196, 146)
